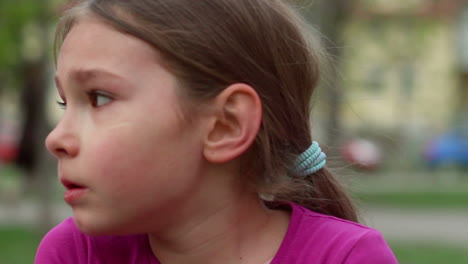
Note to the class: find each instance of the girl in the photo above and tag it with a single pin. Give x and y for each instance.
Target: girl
(185, 139)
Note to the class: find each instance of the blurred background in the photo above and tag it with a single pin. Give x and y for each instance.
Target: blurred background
(392, 113)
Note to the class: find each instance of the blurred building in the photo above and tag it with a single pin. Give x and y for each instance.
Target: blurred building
(405, 66)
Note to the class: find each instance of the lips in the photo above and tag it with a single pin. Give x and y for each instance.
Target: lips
(70, 185)
(74, 191)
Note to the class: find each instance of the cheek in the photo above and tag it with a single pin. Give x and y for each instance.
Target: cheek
(138, 159)
(139, 171)
(117, 156)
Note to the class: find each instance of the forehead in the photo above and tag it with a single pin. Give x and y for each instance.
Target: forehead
(92, 43)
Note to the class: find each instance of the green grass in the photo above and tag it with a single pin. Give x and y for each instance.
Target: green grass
(416, 199)
(18, 245)
(418, 189)
(418, 253)
(9, 177)
(9, 170)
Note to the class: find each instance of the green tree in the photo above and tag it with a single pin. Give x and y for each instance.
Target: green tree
(25, 46)
(329, 17)
(332, 25)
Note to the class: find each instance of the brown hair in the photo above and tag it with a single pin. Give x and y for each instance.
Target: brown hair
(210, 44)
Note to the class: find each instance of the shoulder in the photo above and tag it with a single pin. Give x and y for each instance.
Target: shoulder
(327, 239)
(66, 244)
(326, 225)
(61, 245)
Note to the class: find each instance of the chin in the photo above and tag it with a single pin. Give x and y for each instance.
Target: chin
(92, 229)
(99, 227)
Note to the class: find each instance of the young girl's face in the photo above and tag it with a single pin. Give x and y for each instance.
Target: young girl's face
(125, 154)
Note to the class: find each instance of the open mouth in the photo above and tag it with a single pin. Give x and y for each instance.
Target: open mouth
(74, 192)
(71, 185)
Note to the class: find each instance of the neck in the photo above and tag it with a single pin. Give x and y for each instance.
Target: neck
(235, 230)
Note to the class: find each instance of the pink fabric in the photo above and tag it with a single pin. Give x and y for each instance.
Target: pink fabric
(319, 239)
(311, 238)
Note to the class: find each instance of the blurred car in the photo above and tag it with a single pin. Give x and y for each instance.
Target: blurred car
(448, 149)
(9, 147)
(362, 154)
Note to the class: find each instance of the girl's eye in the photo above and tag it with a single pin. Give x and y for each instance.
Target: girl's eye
(62, 104)
(98, 99)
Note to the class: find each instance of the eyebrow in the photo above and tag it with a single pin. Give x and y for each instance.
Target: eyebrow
(87, 75)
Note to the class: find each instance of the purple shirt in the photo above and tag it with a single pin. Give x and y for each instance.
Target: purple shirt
(311, 238)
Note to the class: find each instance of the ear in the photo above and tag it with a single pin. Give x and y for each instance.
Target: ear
(237, 119)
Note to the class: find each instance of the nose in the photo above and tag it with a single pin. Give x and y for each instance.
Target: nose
(63, 140)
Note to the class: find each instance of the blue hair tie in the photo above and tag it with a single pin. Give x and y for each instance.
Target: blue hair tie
(310, 161)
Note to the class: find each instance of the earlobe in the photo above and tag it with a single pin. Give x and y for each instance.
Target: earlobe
(237, 119)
